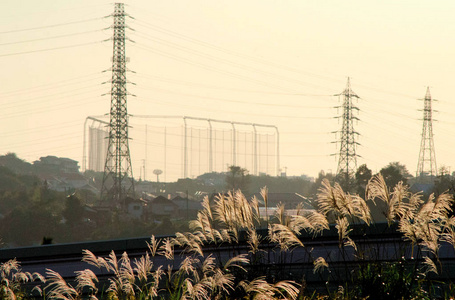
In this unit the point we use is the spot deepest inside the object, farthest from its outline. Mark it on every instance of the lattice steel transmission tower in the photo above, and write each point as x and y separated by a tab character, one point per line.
347	156
118	175
427	158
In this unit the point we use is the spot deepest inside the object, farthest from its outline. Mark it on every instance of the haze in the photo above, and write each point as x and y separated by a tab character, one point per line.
258	61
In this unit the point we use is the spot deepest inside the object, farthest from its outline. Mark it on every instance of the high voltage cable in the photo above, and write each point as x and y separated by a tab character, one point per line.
236	101
51	49
196	41
229	62
254	69
210	68
49	138
52	149
387	148
194	84
52	37
50	26
45	87
379	102
388	112
237	112
46	109
50	84
388	133
39	128
378	129
24	102
173	33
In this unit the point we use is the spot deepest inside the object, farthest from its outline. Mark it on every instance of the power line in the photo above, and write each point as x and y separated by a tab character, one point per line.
16	104
195	84
52	37
204	108
235	101
211	68
227	61
60	106
51	26
50	49
47	87
227	51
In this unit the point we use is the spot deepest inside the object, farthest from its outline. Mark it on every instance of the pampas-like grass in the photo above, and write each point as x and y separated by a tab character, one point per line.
167	249
430	266
259	288
58	287
426	225
319	264
342	226
254	240
237	262
202	276
333	201
190	242
143	267
284	237
399	204
127	280
12	278
153	245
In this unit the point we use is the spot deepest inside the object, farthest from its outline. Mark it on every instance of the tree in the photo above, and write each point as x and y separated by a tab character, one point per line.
395	172
321	176
237	178
17	165
362	176
346	181
444	183
74	210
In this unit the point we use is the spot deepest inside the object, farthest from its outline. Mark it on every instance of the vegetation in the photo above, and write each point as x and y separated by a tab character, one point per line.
263	270
237	178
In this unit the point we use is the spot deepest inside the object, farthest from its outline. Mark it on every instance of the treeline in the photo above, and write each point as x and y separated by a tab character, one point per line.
31	213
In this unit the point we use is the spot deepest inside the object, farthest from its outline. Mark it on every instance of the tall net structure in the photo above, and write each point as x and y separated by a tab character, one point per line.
347	156
118	175
186	147
98	139
427	157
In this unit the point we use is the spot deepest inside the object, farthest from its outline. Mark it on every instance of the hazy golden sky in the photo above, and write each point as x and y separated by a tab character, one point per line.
259	61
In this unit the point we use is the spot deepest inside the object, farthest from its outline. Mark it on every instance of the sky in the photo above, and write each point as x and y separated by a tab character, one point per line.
257	61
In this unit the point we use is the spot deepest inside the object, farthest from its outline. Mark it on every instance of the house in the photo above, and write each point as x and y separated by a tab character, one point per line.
55	165
162	207
74	180
188	208
135	207
67	182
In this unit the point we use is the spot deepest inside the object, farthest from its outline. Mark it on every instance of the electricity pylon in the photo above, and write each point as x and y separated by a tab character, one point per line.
347	156
427	158
118	175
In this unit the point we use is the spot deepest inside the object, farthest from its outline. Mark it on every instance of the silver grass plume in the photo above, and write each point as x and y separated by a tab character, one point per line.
153	245
430	266
167	249
283	236
319	265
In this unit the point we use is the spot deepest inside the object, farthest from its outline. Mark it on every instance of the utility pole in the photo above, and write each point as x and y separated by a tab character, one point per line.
118	175
427	158
347	156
